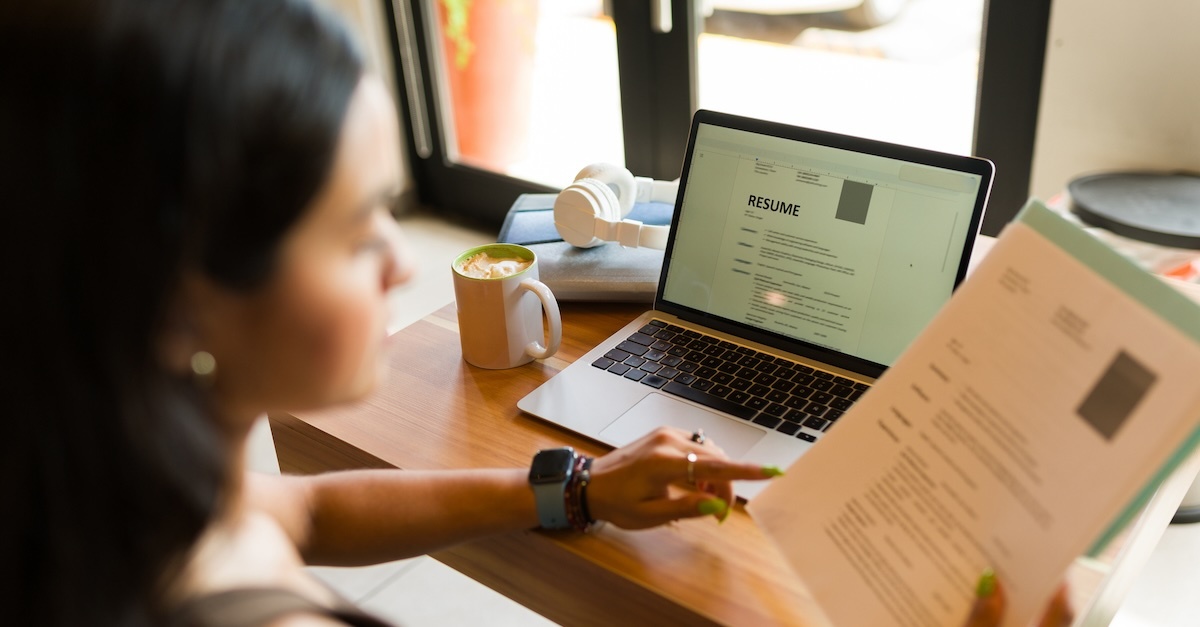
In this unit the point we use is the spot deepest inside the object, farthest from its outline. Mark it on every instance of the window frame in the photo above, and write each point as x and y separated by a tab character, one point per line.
658	83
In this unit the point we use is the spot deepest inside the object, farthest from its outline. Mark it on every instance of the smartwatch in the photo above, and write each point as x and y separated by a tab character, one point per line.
548	477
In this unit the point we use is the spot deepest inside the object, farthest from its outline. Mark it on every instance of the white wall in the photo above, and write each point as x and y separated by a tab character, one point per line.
1121	90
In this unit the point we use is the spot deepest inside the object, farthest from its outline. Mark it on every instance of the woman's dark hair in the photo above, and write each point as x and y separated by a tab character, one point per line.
139	139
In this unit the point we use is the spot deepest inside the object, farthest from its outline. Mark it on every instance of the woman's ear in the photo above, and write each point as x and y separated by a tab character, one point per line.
184	331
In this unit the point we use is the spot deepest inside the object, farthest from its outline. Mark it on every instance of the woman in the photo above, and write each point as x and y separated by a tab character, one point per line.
198	195
201	235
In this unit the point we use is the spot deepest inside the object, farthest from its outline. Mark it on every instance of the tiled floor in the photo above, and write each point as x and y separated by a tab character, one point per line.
422	592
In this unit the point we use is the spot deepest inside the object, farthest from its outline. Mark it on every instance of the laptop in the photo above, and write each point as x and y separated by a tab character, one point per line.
800	264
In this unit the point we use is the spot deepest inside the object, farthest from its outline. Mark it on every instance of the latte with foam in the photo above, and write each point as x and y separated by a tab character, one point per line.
484	266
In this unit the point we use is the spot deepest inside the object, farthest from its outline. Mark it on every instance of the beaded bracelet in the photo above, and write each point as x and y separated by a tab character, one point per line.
576	495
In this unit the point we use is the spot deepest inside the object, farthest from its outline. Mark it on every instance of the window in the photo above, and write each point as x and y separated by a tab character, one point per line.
502	97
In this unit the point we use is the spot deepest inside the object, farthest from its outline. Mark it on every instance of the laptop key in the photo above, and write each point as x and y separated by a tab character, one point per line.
658	323
708	400
765	379
796	402
667	373
729	367
777	396
654	381
634	374
685	378
816	424
603	363
617	354
641	338
769	422
632	348
618	368
841	390
807	437
739	397
720	390
841	403
688	366
702	384
789	428
817	397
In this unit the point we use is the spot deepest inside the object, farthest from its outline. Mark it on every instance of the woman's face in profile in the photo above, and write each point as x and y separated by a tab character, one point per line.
313	335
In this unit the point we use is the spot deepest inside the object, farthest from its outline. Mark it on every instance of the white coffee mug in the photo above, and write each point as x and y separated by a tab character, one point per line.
500	317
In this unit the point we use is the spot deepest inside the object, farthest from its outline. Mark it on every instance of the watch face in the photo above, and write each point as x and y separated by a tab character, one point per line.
551	466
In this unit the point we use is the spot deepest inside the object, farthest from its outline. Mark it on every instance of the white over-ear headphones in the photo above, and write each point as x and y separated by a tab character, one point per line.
592	210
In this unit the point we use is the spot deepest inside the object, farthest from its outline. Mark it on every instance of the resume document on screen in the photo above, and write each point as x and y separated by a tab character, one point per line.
856	264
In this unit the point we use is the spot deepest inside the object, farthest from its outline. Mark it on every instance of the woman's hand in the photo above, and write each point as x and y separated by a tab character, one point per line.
648	482
988	610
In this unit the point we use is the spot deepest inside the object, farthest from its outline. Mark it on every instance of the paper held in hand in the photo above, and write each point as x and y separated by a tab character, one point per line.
1026	425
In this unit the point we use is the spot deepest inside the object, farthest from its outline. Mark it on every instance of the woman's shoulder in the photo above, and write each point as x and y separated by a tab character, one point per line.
246	572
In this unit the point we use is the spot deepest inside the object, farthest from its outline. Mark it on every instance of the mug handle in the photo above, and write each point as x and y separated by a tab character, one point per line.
550	305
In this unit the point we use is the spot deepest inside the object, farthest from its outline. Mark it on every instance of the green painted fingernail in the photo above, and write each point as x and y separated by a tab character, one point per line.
987	584
713	506
772	471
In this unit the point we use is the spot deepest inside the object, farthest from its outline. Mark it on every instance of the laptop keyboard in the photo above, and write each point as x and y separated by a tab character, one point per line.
777	393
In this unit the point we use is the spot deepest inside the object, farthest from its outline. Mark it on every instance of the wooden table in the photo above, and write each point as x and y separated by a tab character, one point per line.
435	411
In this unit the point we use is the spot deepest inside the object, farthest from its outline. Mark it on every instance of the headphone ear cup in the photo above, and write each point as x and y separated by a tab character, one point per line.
577	208
613	176
608	203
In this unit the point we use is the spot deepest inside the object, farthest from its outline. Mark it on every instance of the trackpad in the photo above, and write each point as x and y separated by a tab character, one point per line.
656	410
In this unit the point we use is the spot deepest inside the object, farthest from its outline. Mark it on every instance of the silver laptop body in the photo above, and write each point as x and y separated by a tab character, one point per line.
800	264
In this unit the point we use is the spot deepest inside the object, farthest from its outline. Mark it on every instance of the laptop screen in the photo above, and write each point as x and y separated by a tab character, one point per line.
816	242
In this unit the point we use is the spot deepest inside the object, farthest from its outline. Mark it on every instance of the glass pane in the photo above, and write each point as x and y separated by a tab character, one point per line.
531	86
903	71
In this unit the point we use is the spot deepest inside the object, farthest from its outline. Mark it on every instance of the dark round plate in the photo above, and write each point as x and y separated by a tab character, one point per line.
1157	207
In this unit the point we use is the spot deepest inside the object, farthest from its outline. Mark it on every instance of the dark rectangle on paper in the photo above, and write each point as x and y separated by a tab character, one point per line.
854	202
1116	395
